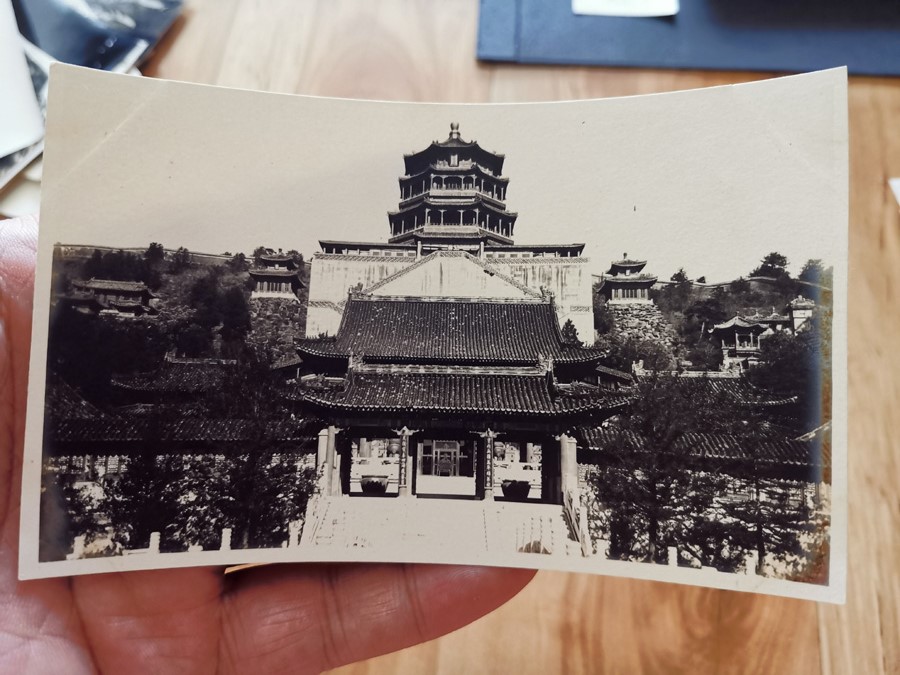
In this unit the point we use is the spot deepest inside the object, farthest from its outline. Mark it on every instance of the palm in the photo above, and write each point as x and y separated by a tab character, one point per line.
298	618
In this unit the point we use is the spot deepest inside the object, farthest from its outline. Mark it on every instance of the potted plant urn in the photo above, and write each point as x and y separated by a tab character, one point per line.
373	485
516	490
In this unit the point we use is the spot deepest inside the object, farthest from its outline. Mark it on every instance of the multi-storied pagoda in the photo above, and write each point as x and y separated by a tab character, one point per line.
453	220
443	369
276	276
625	281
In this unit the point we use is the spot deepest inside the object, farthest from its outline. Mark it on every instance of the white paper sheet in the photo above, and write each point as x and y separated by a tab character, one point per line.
21	122
626	7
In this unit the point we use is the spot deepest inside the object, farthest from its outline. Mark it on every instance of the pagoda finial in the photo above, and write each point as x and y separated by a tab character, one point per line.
454	129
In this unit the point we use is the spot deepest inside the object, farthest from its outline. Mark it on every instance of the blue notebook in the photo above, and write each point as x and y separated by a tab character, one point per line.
766	35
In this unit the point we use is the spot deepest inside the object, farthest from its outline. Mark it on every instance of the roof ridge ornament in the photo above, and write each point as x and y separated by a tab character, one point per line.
454	130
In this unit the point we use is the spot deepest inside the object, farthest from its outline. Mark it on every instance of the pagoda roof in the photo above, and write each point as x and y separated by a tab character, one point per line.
271	272
113	285
443	170
431	330
629	279
625	264
533	247
277	258
415	162
473	232
458	390
723	447
476	199
364	244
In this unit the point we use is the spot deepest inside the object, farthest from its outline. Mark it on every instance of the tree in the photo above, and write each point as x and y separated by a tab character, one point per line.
624	352
774	265
93	266
142	500
258	253
739	286
67	511
604	321
235	313
238	263
646	480
703	314
658	491
155	254
680	277
814	272
296	256
181	260
570	333
705	355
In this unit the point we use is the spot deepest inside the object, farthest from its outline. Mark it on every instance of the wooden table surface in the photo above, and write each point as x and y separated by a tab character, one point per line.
424	50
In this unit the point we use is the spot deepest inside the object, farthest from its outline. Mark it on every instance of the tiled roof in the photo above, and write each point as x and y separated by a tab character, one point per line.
724	447
612	372
111	285
272	272
737	322
187	429
463	391
737	389
474	331
184	378
63	401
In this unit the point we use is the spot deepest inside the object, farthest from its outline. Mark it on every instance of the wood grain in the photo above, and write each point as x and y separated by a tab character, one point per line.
420	50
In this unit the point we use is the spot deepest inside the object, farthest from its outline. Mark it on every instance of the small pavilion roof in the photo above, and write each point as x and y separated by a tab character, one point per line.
272	272
618	266
449	330
276	258
737	322
496	391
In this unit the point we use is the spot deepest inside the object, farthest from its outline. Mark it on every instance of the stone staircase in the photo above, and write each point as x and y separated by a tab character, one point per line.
437	526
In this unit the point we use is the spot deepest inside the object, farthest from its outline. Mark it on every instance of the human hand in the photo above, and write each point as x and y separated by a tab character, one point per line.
297	618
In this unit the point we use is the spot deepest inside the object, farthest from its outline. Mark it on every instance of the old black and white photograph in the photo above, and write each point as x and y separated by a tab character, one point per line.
590	336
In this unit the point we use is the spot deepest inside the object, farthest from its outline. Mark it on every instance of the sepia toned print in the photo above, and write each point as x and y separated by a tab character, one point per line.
440	388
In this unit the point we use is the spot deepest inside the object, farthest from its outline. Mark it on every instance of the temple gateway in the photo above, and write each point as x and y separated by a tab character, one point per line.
441	368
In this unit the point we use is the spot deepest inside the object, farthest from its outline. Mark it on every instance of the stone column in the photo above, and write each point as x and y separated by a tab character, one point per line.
404	487
568	461
487	471
331	461
322	449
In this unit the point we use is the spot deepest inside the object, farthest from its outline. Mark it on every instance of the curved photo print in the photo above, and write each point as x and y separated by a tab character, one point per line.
606	336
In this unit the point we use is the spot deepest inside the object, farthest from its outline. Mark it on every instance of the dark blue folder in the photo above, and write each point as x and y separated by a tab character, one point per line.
767	35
